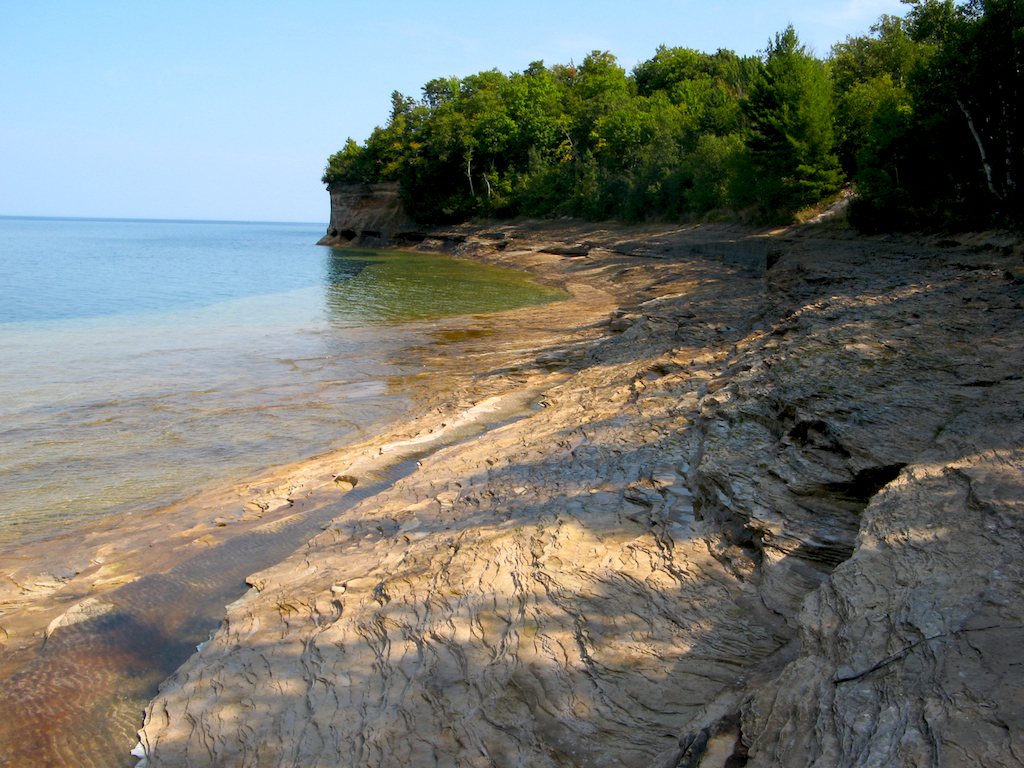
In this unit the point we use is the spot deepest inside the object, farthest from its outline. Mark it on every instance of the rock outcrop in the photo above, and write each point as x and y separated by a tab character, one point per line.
368	212
768	517
870	458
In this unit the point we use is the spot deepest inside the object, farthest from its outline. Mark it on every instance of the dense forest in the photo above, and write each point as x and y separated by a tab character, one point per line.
920	116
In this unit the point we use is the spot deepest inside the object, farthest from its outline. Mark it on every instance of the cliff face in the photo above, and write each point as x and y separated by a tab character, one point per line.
365	211
766	518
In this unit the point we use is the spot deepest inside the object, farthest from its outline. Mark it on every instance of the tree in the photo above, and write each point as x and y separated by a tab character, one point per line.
348	166
944	150
979	63
871	73
668	67
792	142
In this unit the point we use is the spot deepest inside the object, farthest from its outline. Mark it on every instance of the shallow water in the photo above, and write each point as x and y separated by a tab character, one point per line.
78	703
140	360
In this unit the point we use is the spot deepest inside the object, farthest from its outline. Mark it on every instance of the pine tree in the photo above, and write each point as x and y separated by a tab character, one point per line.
792	141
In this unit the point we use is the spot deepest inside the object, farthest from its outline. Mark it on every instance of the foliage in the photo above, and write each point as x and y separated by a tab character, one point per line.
792	142
919	114
938	143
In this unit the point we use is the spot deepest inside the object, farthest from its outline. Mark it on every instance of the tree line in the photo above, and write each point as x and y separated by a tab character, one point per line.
920	115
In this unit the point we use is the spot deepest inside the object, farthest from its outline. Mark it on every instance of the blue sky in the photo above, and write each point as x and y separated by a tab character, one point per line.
229	110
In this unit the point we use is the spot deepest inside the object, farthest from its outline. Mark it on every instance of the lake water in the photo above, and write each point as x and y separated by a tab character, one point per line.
141	360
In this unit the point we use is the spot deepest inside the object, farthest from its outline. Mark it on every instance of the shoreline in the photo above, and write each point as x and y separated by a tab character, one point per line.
652	308
45	577
449	402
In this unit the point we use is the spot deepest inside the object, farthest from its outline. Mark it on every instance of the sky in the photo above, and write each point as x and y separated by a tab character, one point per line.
229	110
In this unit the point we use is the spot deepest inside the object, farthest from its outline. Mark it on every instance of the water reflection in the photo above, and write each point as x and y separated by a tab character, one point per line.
341	268
385	287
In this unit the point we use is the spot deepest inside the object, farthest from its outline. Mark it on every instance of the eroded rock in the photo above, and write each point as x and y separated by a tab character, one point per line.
785	534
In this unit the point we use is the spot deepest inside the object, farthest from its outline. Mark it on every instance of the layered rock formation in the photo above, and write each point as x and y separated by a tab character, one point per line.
368	212
766	516
882	389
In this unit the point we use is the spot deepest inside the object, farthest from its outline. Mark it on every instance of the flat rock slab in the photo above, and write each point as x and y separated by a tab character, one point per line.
774	519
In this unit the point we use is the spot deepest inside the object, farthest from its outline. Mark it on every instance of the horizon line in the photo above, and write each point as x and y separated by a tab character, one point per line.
155	221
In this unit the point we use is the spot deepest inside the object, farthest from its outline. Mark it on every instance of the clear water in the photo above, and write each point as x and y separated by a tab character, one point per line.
140	360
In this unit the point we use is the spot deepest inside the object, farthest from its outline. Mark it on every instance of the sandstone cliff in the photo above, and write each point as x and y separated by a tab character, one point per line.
365	211
769	515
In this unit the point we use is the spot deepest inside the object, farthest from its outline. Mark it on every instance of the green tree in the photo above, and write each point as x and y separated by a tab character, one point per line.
978	68
871	73
348	166
944	150
792	142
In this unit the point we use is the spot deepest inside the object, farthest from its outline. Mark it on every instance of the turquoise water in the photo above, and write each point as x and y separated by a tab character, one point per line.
140	360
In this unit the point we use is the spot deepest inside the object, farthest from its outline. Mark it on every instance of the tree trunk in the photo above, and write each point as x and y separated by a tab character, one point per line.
981	149
1008	123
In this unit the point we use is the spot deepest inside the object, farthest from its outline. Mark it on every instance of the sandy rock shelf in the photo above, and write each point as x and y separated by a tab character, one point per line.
747	498
772	517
